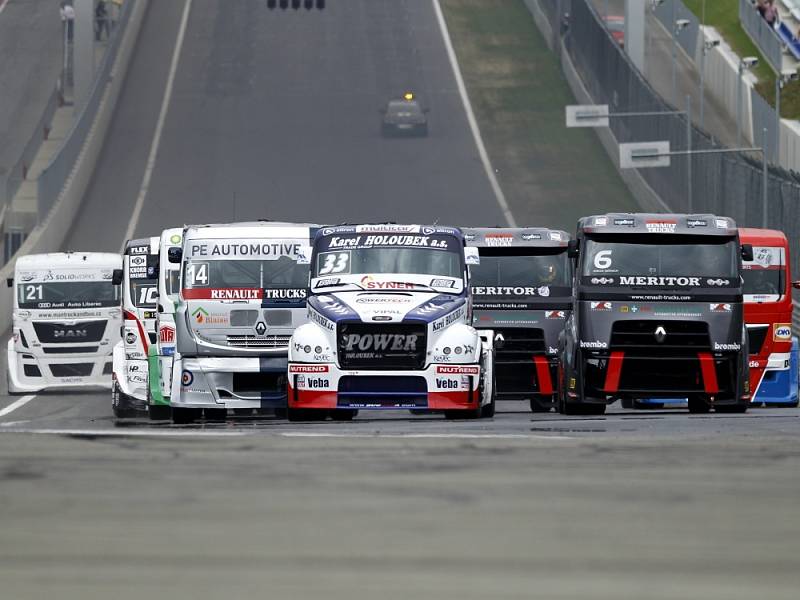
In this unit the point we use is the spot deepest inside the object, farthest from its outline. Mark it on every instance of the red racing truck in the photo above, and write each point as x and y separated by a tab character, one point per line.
768	315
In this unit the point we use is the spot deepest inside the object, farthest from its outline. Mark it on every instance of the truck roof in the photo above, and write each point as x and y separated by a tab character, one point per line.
389	228
522	237
254	229
69	259
769	237
639	223
142	246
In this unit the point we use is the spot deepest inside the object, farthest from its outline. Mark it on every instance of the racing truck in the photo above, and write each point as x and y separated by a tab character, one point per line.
389	326
160	355
768	314
522	295
243	293
658	313
138	279
66	321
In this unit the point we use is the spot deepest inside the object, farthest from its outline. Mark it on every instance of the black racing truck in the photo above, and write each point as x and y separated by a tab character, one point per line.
657	314
522	295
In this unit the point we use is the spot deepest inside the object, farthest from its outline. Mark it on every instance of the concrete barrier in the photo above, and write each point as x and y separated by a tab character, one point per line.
52	231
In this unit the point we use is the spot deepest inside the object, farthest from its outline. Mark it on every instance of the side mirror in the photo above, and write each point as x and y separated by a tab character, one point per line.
796	285
175	255
573	248
304	255
471	256
116	277
747	252
10	282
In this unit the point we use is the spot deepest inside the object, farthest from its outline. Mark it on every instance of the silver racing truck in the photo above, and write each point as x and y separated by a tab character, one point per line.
66	321
243	293
521	298
658	314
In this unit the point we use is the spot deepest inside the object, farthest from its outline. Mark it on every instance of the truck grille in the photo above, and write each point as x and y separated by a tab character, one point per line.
381	346
72	370
755	337
515	371
62	333
641	335
254	341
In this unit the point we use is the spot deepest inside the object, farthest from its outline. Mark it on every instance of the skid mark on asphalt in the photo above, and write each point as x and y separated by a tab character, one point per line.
433	436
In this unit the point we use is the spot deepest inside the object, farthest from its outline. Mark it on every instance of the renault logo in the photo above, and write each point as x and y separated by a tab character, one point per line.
261	328
661	334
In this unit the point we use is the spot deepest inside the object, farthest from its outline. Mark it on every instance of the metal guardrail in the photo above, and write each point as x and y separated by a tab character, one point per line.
762	34
54	176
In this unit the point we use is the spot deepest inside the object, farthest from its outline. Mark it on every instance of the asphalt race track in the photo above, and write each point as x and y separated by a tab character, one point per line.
275	115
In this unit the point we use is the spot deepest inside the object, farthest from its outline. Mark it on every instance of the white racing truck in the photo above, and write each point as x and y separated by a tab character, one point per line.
66	321
138	280
243	293
389	312
161	353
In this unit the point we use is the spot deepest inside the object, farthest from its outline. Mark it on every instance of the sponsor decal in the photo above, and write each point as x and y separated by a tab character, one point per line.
313	383
717	282
755	364
470	237
248	249
555	236
187	378
782	332
202	317
130	338
604	305
543	291
317	318
600	221
261	328
383	300
236	294
137	261
626	222
443	283
719	307
555	314
596	345
531	236
766	256
663	281
458	370
166	334
369	241
380	342
731	346
480	290
139	250
327	282
551	350
382	318
308	368
661	226
692	223
175	239
721	223
499	239
445	383
285	294
368	282
387	228
602	280
26	276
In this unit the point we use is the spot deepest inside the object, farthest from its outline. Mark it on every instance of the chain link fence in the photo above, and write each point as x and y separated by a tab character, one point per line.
725	184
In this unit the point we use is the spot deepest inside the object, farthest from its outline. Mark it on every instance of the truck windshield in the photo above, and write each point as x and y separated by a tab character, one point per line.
759	282
672	256
68	294
251	274
519	267
410	261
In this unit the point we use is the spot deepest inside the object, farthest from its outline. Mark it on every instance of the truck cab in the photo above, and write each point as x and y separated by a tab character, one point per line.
66	321
138	280
161	353
768	314
522	296
658	313
389	314
243	293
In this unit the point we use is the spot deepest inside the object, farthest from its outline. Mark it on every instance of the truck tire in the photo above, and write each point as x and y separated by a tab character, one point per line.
343	414
626	402
537	406
159	412
738	408
306	414
584	409
185	416
216	415
698	405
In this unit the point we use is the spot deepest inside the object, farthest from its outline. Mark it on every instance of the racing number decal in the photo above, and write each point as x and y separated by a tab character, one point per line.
197	274
602	260
148	295
334	262
33	292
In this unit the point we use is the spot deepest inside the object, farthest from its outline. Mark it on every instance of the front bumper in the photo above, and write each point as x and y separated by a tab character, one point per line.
28	373
437	387
776	378
201	382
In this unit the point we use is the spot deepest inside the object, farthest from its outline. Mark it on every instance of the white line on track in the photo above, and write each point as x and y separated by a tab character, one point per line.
15	405
147	433
3	4
473	123
162	117
431	436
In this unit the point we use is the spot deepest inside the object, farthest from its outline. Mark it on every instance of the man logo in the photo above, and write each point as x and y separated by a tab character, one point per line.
660	334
